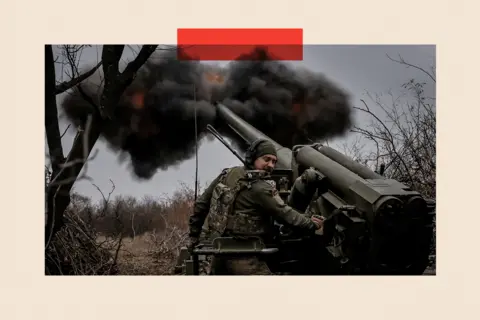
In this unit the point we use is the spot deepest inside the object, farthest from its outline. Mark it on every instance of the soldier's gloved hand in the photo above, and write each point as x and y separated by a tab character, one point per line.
318	220
192	243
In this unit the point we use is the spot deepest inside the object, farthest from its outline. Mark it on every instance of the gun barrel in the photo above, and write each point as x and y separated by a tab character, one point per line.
351	165
250	134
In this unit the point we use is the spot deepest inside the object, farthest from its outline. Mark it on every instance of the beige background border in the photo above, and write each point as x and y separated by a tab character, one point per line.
27	294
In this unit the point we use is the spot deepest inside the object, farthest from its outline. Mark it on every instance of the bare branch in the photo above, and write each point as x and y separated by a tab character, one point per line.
64	132
403	136
142	57
66	85
387	136
105	199
116	83
51	114
402	61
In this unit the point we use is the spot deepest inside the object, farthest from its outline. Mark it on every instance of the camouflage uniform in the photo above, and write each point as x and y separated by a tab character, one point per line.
242	202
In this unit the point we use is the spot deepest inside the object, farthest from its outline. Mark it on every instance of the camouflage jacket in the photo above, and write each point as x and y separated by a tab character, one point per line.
256	203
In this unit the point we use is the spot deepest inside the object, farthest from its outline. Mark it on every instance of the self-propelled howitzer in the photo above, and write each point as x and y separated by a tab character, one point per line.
373	225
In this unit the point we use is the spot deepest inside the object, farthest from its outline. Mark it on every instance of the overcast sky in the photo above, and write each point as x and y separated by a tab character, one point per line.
356	69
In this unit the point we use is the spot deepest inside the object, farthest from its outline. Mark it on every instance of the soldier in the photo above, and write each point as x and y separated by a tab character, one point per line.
241	201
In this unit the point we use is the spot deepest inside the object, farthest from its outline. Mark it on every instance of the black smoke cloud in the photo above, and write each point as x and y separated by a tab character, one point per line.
154	123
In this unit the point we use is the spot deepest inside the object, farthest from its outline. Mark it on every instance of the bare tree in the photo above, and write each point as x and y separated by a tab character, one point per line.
399	142
66	170
402	136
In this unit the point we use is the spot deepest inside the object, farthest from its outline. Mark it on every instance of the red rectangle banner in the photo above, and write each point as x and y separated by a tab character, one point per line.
239	44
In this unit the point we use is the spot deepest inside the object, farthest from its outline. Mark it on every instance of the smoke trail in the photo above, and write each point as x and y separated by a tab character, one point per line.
292	106
154	121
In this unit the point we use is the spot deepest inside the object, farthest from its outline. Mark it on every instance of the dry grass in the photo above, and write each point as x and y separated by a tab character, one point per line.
123	236
150	253
76	251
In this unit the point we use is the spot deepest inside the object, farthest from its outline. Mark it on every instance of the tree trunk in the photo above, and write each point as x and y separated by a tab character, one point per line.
51	116
63	177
